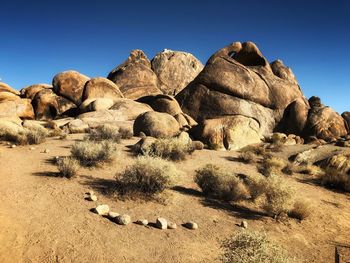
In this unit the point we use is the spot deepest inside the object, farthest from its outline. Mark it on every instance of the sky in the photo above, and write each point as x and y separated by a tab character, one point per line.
41	38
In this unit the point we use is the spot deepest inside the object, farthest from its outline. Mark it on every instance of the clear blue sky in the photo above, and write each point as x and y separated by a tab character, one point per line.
40	38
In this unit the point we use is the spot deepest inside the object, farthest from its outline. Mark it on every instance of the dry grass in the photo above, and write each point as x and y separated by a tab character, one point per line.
220	184
125	133
147	177
272	164
256	149
253	247
247	157
91	153
336	179
301	210
289	169
31	135
68	167
105	132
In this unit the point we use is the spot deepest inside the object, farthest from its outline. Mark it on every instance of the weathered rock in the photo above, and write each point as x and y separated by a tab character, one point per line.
244	224
17	108
161	223
11	125
30	91
101	88
314	155
70	84
8	96
101	210
323	122
123	220
175	70
198	145
142	222
6	88
282	71
162	103
92	198
78	126
112	215
346	117
144	145
156	124
172	225
191	225
135	77
98	104
184	137
229	133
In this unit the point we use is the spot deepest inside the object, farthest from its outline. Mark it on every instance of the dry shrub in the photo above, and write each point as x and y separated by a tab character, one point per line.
68	167
220	184
256	186
146	177
312	170
300	210
247	157
289	169
256	149
272	164
105	132
173	149
125	133
31	135
90	153
276	147
253	247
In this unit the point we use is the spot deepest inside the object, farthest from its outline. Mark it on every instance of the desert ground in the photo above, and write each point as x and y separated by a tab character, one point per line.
45	218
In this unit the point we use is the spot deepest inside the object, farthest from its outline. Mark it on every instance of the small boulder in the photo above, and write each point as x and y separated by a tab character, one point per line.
101	210
78	126
142	222
123	219
161	223
191	225
30	91
244	224
172	225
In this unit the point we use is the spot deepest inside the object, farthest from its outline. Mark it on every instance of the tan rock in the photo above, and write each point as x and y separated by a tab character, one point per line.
6	88
30	91
101	88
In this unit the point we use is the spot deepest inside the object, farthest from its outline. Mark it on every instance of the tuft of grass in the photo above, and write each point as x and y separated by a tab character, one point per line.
220	184
68	167
247	157
301	210
105	132
31	135
147	177
289	169
91	153
272	164
256	149
336	179
172	149
125	133
253	247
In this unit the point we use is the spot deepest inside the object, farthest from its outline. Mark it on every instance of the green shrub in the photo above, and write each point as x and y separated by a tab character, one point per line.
68	167
220	184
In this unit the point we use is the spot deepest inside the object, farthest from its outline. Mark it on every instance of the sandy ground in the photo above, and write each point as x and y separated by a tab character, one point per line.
44	218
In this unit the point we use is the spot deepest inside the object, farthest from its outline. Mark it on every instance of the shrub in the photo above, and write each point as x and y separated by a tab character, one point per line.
125	133
336	179
68	167
310	170
247	157
217	183
172	149
256	149
288	169
90	153
272	164
253	247
31	135
256	186
105	132
147	176
300	210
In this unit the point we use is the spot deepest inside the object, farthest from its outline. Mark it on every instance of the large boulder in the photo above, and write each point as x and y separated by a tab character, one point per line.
30	91
156	124
135	77
346	117
323	122
70	85
8	96
175	70
21	108
238	81
5	87
101	88
47	105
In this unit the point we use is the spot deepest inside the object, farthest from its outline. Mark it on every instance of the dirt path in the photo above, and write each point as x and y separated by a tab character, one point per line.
46	219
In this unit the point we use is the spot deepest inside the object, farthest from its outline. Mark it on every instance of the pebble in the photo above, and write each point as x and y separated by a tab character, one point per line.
244	224
91	198
46	151
191	225
161	223
172	225
32	148
123	219
13	146
143	222
101	209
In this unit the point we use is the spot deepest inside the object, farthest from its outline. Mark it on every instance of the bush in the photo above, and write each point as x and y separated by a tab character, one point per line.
289	169
125	133
272	164
105	132
68	167
247	157
147	176
256	186
90	153
300	210
31	135
217	183
173	149
336	179
253	247
256	149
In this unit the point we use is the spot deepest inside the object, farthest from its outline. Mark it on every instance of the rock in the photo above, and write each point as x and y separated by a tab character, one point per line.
278	138
184	137
70	84
162	103
280	70
346	117
112	215
142	222
172	225
99	104
13	146
32	148
323	122
47	105
175	70
198	145
144	145
123	219
244	224
18	107
314	155
161	223
135	77
101	88
91	198
156	124
30	91
191	225
46	151
8	96
6	88
101	210
78	126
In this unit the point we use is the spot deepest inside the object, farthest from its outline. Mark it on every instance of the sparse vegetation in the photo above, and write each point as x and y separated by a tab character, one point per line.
146	177
259	149
220	184
68	167
105	132
125	133
31	135
90	153
271	164
289	169
247	157
300	210
336	179
253	247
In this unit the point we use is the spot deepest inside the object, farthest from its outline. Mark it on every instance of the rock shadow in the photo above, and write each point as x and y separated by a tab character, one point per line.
103	186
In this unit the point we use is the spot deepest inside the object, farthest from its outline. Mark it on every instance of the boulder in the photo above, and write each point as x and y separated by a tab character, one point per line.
161	223
231	133
144	145
175	70
70	85
346	117
8	96
156	124
323	122
123	219
30	91
101	210
238	81
135	77
11	125
17	108
47	105
191	225
78	126
130	108
6	88
96	104
101	88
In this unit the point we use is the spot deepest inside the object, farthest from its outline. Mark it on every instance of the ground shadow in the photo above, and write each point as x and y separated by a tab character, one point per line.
47	174
187	191
100	185
317	182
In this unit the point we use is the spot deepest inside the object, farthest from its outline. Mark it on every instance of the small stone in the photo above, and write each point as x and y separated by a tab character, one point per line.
161	223
191	225
123	219
101	210
90	192
32	148
172	225
91	198
112	215
143	222
46	151
244	224
13	146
